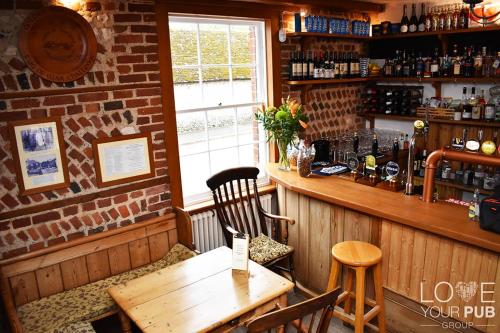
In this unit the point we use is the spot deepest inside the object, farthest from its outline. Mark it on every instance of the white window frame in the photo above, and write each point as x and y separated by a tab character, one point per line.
261	77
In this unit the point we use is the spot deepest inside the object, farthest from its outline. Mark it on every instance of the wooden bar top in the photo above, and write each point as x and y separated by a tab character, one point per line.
441	218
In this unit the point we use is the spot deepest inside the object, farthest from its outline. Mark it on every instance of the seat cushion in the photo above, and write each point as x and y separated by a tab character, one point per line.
89	301
264	249
78	327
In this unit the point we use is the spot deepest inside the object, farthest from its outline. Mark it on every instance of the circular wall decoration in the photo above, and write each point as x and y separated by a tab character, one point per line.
58	44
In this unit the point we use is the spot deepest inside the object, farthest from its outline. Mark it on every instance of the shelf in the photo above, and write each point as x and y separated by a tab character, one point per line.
332	81
475	123
439	33
460	187
477	80
325	35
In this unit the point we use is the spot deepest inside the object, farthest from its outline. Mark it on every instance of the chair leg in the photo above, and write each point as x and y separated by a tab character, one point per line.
334	275
291	266
359	321
379	297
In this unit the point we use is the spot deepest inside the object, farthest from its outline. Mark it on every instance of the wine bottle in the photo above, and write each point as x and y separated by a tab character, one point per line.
435	64
404	22
421	20
413	26
420	66
293	67
298	64
310	64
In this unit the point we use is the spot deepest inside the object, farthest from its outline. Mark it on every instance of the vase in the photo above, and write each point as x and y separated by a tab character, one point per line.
283	163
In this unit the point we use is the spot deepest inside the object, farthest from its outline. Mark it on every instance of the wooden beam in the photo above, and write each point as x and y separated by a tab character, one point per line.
168	104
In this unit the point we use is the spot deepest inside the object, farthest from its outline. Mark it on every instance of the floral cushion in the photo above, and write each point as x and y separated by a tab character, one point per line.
78	327
264	249
89	301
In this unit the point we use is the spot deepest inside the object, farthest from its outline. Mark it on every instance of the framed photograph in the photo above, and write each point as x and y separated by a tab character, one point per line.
123	159
39	154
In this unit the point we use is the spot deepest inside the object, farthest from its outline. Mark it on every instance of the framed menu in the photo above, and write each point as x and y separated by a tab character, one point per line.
123	159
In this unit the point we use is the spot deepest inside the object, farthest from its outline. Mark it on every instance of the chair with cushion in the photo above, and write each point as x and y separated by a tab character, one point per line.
239	209
313	315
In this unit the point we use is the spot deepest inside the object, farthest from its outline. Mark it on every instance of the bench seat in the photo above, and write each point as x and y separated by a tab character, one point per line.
77	327
81	305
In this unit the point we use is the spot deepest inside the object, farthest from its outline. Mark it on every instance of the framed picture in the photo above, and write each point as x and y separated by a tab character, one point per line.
39	155
123	159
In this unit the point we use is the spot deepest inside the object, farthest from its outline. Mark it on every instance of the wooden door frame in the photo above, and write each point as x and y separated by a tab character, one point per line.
270	17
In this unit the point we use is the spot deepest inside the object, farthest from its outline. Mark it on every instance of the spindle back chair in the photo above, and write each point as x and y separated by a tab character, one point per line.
313	315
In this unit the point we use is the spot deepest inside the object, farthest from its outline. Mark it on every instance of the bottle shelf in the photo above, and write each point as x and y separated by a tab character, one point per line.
329	81
325	35
439	33
459	187
451	80
475	123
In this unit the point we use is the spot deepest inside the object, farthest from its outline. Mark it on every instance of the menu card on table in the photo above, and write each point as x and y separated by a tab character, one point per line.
240	253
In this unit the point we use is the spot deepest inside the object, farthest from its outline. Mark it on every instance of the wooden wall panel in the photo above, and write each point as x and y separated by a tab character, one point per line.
74	273
304	230
119	259
158	246
139	252
24	288
98	266
407	239
49	280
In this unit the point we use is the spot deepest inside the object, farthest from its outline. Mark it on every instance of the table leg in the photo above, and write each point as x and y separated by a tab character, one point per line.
125	322
282	303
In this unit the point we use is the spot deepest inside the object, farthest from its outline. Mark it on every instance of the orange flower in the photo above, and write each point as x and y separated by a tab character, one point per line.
303	124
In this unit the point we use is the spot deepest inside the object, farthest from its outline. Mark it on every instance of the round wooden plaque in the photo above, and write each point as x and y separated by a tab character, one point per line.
58	44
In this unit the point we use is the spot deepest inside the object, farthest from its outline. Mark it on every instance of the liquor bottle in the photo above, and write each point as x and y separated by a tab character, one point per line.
455	17
326	67
463	18
446	67
427	67
478	177
457	64
428	20
421	172
468	176
398	65
468	70
448	20
478	63
489	179
406	65
459	174
466	107
401	141
420	66
344	69
435	64
421	20
388	68
487	63
355	143
404	22
482	104
316	67
412	63
445	171
413	25
474	104
489	111
474	207
336	68
441	20
310	64
406	143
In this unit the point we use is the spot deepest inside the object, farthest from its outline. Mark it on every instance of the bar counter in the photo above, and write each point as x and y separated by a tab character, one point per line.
422	245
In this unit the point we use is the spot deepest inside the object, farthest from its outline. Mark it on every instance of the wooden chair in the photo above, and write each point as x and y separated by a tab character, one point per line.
233	191
297	315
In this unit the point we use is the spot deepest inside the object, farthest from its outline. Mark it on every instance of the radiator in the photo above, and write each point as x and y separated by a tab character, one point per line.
207	232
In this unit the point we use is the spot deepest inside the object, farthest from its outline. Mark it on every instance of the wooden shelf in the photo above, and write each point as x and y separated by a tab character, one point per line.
460	187
332	81
475	123
477	80
325	35
439	33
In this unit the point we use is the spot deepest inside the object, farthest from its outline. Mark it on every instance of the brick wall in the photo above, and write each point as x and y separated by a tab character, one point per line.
332	109
126	74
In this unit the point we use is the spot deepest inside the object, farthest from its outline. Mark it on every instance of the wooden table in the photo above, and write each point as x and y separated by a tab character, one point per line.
199	295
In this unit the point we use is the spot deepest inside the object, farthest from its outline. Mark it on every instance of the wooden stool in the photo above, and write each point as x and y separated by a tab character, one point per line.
358	257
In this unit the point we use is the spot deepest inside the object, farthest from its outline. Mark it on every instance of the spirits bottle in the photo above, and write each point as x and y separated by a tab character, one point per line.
459	174
468	176
404	22
421	20
435	20
413	26
327	73
454	17
469	64
291	67
388	68
463	18
466	107
457	64
375	145
421	172
406	65
316	67
446	67
489	180
398	65
428	20
420	66
478	63
489	111
412	62
474	207
441	20
448	18
435	64
478	177
474	103
310	63
427	67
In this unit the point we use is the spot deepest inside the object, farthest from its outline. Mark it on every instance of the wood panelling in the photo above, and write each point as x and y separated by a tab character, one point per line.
74	273
98	266
119	259
139	252
49	280
24	288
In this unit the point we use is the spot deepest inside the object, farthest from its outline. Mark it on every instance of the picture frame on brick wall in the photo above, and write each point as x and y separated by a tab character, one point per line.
123	159
39	155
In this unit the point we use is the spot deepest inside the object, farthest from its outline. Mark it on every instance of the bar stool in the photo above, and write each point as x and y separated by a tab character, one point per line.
358	257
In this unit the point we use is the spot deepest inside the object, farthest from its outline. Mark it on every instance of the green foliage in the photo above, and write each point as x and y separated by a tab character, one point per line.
214	47
284	123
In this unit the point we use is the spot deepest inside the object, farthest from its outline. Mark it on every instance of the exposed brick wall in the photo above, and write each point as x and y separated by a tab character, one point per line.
332	109
127	53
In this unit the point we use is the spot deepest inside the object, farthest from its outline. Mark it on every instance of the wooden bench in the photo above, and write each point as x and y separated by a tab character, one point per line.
90	260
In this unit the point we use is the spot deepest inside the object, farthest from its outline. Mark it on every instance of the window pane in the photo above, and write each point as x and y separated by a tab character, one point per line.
223	159
195	172
248	130
216	86
191	133
221	128
214	44
249	155
183	43
187	89
243	44
245	85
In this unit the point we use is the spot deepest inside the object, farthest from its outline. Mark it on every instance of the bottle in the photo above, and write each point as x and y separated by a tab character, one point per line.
413	25
441	20
292	68
298	62
478	63
427	67
478	180
468	70
406	65
412	62
489	180
326	67
422	164
316	67
466	107
474	103
448	19
434	20
398	65
310	63
336	68
305	67
468	176
474	206
422	18
401	141
459	174
404	22
489	111
406	143
395	150
435	64
457	64
445	171
375	145
355	143
482	104
463	18
420	66
388	68
428	20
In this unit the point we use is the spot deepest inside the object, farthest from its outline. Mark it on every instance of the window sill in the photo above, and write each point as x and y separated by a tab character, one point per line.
209	204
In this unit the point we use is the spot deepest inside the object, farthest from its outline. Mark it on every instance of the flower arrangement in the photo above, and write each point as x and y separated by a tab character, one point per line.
283	125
